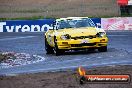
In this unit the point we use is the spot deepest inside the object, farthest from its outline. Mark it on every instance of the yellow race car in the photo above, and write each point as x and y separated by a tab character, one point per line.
74	33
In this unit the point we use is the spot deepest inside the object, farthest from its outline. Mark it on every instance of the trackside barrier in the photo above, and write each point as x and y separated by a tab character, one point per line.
26	25
97	22
33	25
116	23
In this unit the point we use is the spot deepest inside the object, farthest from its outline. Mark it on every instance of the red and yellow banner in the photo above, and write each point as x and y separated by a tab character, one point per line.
122	2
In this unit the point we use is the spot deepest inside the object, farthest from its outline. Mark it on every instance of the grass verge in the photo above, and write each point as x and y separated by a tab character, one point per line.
42	17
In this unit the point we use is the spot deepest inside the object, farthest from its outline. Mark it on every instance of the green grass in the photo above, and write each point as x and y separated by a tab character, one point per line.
22	11
26	18
42	17
126	15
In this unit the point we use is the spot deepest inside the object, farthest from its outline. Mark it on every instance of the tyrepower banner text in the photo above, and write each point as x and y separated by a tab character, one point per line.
26	25
34	25
119	23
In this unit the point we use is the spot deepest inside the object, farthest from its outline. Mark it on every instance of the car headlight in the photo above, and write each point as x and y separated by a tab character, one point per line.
101	34
65	37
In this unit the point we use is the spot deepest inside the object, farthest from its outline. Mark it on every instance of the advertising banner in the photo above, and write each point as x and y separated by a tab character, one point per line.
122	2
129	2
97	22
33	25
26	25
119	23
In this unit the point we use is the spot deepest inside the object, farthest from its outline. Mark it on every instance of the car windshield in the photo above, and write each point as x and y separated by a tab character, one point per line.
77	23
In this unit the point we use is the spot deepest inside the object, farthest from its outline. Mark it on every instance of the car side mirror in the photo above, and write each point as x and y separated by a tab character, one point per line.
54	25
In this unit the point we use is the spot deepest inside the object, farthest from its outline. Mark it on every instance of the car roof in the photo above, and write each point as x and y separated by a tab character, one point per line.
70	18
76	17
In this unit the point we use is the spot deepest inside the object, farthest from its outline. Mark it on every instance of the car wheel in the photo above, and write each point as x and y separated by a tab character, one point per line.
48	48
56	50
91	49
103	49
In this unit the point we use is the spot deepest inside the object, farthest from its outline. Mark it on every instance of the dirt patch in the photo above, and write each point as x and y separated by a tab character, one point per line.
11	59
67	79
5	56
58	8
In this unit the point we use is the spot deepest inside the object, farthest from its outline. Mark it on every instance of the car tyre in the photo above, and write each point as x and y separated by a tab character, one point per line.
48	48
91	49
57	51
103	49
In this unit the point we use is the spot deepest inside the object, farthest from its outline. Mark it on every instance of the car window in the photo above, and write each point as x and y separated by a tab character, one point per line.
75	23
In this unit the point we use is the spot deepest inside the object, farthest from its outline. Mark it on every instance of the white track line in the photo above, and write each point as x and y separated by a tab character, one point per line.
76	66
4	39
69	67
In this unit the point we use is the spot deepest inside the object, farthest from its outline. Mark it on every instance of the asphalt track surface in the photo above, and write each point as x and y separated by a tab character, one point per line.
119	53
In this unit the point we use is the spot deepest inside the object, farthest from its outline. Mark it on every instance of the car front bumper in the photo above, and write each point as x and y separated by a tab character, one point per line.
82	43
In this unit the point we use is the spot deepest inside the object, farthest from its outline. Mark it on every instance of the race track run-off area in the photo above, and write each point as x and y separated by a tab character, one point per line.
32	45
